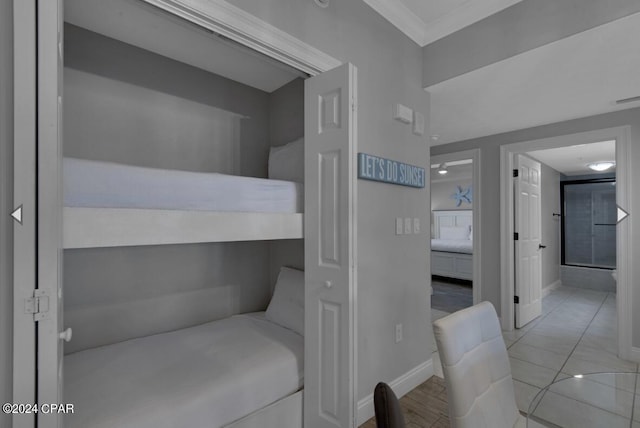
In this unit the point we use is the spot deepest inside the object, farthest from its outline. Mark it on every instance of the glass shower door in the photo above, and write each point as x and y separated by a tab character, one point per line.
589	223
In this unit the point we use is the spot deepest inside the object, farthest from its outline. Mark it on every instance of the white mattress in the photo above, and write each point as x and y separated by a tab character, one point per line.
110	185
463	246
204	376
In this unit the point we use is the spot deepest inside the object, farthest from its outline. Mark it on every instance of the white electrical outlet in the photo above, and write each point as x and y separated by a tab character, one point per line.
416	226
407	226
399	226
398	333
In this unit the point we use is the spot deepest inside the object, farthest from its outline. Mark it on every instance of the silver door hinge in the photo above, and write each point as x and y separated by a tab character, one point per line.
38	305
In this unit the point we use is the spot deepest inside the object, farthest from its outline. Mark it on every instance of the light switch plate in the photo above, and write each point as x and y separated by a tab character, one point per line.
407	226
418	123
416	225
399	227
403	113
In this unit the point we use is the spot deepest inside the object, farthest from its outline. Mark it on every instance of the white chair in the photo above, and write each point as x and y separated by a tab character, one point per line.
476	369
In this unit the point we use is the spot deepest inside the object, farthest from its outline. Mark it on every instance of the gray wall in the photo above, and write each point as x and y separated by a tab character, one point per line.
125	104
393	271
6	205
490	178
516	29
286	124
128	105
444	186
286	113
550	203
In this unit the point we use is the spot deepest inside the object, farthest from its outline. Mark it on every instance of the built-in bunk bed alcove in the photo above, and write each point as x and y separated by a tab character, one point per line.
146	118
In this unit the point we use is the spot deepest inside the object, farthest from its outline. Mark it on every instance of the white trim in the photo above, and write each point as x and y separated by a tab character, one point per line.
622	135
230	21
476	206
400	386
549	288
119	227
423	33
402	18
634	354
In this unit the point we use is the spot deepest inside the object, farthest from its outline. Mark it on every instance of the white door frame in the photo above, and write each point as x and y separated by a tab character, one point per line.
474	155
240	26
622	135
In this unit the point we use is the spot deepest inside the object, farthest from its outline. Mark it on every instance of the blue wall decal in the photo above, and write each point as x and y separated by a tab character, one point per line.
375	168
463	195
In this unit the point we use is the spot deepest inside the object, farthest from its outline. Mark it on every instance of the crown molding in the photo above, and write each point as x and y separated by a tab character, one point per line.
240	26
401	17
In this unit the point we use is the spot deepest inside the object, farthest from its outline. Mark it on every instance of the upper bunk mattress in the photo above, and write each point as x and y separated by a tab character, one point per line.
97	184
203	376
463	246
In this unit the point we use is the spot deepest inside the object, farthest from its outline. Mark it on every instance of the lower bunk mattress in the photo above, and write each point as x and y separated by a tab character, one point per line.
208	375
94	184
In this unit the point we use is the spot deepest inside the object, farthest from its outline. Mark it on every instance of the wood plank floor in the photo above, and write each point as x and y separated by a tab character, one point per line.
424	407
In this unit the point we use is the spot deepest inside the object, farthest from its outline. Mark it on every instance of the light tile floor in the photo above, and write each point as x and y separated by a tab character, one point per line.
576	334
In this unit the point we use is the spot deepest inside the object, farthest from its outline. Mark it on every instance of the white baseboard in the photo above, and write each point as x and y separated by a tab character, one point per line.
400	386
549	288
635	354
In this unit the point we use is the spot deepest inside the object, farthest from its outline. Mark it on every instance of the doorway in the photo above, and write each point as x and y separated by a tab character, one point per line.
620	137
455	231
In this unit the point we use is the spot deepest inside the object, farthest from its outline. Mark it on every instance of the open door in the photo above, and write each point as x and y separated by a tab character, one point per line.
49	236
330	275
528	260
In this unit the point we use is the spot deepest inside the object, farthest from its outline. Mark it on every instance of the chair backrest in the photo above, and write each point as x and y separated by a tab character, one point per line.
387	407
476	369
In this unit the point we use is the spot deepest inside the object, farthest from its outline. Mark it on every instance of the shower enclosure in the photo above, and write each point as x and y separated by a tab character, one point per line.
589	223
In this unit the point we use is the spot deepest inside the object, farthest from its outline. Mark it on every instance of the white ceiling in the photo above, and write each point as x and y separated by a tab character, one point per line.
144	26
573	160
427	21
575	77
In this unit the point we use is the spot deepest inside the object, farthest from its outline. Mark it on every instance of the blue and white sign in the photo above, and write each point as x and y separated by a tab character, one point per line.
389	171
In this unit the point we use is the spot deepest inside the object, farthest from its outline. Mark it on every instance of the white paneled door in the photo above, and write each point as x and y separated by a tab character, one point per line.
528	257
50	336
330	190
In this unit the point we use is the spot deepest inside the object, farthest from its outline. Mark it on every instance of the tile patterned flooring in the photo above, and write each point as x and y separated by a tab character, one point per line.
576	334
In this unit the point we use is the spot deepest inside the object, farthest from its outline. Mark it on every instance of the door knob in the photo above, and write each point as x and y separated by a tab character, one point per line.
328	284
66	335
541	246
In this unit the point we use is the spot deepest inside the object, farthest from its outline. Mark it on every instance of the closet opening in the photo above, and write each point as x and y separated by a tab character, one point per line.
183	172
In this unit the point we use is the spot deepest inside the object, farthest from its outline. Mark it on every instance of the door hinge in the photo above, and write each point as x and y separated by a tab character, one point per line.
515	236
516	299
515	173
38	305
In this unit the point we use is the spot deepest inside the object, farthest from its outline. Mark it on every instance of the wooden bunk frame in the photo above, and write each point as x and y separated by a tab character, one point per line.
118	227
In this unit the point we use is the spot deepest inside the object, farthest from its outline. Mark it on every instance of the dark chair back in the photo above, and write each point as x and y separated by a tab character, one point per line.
387	407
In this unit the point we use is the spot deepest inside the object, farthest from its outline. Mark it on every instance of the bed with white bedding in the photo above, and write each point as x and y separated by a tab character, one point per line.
95	184
109	204
208	375
452	244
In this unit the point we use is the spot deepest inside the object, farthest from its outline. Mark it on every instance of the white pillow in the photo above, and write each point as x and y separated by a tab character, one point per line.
287	304
454	232
287	162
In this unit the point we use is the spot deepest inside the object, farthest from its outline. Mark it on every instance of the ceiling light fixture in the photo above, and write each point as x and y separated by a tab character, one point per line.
601	166
442	169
